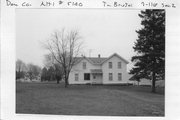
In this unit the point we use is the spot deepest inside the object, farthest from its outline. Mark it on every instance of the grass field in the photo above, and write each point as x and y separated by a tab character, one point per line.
51	98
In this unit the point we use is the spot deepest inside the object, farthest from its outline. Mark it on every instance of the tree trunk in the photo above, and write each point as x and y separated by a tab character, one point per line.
57	81
66	82
153	82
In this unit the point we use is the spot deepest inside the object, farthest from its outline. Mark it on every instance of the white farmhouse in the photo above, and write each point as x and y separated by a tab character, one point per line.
98	70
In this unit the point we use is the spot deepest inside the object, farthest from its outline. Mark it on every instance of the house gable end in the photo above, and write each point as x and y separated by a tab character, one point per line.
83	58
115	54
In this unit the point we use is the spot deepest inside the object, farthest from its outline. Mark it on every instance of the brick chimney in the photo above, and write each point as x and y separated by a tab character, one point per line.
99	55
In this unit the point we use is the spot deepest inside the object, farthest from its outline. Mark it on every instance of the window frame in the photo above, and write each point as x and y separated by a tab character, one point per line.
87	75
110	76
84	65
119	65
76	77
119	76
110	65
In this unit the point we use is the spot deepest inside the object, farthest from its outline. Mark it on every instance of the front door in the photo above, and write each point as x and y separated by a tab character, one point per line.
97	78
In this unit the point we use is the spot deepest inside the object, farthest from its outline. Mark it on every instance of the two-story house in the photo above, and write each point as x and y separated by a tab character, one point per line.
98	70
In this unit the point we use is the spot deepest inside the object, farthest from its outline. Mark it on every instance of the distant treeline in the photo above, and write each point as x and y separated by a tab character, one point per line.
31	72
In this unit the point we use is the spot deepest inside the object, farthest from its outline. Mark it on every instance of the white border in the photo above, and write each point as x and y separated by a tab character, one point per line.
7	70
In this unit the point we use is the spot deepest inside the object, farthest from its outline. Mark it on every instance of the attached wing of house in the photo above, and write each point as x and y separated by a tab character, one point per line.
98	70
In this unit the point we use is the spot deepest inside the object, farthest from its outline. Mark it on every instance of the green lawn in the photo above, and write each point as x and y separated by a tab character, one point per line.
51	98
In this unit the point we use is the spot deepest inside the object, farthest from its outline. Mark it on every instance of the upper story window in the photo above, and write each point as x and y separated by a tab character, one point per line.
110	65
119	65
84	65
110	76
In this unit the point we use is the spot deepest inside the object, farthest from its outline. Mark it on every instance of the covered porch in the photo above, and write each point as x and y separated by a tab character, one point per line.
97	76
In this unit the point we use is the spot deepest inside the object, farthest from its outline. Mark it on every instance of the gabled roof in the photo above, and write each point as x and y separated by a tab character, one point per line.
99	60
92	60
78	59
96	60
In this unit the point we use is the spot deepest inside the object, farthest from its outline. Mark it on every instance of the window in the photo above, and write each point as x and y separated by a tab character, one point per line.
110	76
110	65
84	65
76	77
86	76
119	65
94	77
119	76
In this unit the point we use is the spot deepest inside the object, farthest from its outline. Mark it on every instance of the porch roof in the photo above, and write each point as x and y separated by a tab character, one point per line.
96	71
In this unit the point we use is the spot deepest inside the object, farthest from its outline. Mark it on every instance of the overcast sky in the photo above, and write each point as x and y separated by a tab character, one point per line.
104	31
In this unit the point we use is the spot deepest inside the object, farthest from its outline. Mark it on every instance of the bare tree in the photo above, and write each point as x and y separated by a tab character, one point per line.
64	48
20	69
20	66
49	60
